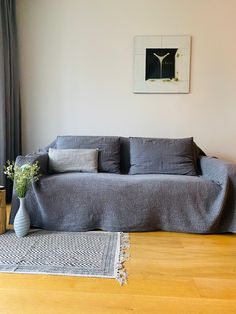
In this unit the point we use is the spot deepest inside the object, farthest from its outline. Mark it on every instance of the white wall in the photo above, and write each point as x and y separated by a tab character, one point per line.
76	62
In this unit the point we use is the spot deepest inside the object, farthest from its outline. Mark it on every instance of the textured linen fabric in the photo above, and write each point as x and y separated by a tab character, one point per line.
67	160
41	158
88	201
10	109
109	149
162	156
125	155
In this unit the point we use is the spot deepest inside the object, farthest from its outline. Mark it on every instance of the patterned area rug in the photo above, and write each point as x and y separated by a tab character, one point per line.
91	254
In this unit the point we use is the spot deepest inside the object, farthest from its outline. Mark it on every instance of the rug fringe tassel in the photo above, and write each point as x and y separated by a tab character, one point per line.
124	255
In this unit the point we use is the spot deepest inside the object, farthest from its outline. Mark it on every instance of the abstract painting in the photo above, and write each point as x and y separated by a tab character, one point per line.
162	64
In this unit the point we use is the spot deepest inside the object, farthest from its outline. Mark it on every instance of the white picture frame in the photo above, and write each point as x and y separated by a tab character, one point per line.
162	64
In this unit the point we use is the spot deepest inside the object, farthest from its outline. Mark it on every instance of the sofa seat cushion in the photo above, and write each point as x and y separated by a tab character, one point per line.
109	149
88	201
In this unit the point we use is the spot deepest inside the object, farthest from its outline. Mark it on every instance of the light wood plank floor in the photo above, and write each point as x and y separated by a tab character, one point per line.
168	273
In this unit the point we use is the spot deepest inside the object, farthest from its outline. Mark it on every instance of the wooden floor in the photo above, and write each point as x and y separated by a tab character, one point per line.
168	273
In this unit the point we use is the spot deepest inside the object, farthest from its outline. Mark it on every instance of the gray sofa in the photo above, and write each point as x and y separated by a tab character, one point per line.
126	201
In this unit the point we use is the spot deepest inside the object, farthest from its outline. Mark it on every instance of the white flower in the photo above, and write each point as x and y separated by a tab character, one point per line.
25	167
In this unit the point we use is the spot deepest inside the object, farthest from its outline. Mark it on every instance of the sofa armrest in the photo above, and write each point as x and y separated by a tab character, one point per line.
218	170
224	174
41	158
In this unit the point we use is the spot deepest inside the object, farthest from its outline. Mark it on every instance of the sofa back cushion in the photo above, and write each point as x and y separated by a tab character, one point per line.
162	155
68	160
108	146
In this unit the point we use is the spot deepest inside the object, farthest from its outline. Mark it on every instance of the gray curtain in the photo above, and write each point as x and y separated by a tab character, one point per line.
10	120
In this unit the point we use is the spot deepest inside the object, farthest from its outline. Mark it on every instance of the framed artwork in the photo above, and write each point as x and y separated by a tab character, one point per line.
162	64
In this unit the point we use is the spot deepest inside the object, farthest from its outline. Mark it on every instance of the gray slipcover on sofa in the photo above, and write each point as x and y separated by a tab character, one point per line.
121	197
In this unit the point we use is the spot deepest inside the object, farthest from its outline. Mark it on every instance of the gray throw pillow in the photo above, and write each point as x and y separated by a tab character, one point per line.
67	160
162	155
109	149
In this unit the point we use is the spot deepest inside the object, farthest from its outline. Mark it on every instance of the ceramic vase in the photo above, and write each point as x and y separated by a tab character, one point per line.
22	220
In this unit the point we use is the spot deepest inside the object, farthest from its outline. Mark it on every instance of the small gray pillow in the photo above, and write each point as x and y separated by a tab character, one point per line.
68	160
162	155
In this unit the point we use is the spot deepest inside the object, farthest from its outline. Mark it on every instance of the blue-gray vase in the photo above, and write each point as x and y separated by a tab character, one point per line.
22	220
